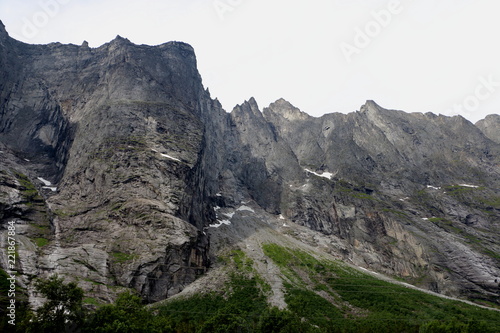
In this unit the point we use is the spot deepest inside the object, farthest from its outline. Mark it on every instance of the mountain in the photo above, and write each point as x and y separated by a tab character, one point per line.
120	172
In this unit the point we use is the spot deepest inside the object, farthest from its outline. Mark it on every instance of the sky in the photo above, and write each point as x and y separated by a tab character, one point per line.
323	56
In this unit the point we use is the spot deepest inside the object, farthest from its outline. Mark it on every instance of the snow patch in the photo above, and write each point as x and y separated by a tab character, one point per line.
218	194
170	157
229	215
434	187
243	207
327	175
166	155
52	188
44	181
216	225
467	185
281	217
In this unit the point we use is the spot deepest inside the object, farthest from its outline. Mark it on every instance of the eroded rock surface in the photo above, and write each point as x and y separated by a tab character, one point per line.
117	166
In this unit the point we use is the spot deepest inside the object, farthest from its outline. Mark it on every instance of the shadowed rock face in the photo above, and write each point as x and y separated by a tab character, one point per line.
118	130
139	156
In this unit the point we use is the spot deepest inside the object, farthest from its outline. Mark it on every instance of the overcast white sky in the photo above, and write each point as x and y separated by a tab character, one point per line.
321	55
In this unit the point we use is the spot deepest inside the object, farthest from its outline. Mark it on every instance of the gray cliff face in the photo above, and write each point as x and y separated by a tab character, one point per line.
490	126
142	161
410	194
116	129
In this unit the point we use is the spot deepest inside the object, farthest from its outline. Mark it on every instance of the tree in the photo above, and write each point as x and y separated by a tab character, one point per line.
63	310
126	315
22	310
275	320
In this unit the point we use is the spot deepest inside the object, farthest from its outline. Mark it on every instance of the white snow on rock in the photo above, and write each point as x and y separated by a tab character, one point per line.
434	187
281	217
327	175
229	215
216	225
243	207
52	188
467	185
170	157
44	181
166	155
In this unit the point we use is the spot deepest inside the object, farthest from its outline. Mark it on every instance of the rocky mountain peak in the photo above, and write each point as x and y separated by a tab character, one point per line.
4	35
490	126
122	40
144	179
285	109
248	108
370	106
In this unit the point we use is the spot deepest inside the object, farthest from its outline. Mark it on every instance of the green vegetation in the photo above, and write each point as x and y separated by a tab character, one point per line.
127	314
61	213
395	212
355	192
355	302
41	242
493	202
63	310
121	257
22	313
425	199
322	296
28	190
241	262
480	197
91	301
459	189
474	241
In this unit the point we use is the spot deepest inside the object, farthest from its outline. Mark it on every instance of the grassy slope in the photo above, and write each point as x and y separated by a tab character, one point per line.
360	302
322	296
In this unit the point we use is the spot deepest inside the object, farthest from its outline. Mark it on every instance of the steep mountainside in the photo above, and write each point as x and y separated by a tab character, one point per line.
120	171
